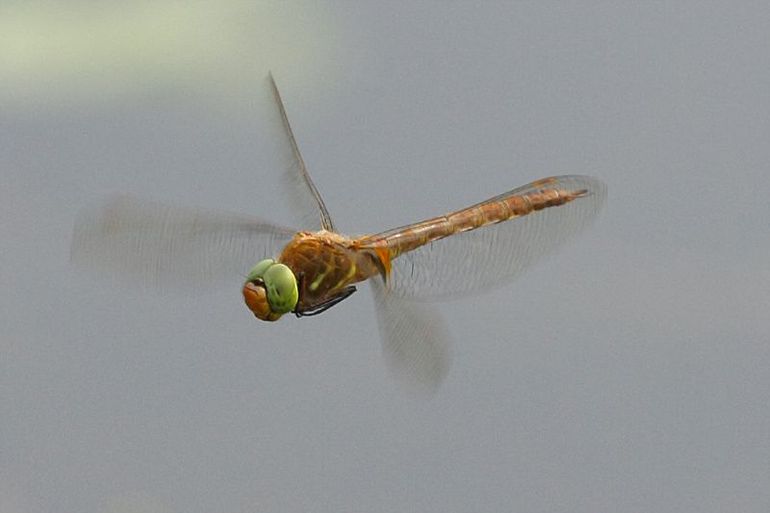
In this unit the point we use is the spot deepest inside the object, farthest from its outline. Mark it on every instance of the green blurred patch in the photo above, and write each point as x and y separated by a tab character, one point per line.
65	52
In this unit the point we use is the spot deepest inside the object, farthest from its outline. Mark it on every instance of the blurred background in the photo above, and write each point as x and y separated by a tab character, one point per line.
629	372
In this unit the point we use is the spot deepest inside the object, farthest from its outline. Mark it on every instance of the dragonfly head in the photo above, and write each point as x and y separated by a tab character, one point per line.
270	290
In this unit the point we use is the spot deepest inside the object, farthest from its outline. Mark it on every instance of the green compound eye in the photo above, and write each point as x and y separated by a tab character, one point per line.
281	287
258	271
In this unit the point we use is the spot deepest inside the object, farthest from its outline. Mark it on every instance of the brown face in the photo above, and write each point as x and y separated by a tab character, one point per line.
256	299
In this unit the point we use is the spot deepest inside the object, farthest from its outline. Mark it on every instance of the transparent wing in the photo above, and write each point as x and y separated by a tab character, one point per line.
489	256
414	339
157	245
305	199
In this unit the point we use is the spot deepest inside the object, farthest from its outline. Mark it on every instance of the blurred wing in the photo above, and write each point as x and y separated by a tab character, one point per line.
305	199
414	340
157	245
491	255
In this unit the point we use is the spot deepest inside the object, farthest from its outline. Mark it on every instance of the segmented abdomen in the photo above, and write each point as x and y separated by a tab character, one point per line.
495	210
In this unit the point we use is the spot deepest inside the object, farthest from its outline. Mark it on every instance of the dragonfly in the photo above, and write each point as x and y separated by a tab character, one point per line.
306	272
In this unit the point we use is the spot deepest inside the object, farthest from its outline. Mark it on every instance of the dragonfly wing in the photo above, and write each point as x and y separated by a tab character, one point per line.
414	339
491	255
157	245
305	198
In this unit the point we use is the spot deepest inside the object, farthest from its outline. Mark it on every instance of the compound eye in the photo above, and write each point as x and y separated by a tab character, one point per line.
281	287
258	271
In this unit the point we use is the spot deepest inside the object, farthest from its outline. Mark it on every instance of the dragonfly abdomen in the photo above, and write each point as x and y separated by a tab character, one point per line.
493	211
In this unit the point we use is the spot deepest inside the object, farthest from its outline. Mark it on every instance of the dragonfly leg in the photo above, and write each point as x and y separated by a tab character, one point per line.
322	307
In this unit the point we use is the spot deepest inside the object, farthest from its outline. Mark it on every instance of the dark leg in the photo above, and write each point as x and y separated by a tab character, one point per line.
322	307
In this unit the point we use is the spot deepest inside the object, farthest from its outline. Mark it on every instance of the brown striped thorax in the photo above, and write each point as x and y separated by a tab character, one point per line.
314	268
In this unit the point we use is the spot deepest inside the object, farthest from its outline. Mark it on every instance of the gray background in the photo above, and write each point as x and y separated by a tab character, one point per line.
630	372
